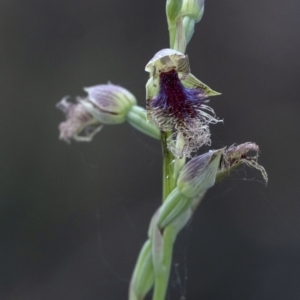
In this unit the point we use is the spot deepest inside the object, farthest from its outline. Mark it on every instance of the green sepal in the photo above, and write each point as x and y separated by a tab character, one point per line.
190	81
199	174
152	87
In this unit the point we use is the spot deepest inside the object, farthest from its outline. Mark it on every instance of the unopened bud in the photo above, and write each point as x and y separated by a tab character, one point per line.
173	8
193	9
192	12
199	174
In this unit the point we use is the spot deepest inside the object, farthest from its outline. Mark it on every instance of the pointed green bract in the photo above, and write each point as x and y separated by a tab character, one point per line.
173	206
199	174
143	276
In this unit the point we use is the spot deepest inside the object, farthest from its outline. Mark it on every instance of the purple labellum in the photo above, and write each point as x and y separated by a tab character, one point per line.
181	110
177	101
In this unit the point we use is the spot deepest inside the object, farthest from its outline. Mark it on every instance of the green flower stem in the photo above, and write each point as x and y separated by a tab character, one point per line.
169	182
180	42
172	33
162	275
179	162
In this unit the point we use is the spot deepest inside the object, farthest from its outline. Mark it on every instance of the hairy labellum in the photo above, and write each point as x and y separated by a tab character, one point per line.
181	110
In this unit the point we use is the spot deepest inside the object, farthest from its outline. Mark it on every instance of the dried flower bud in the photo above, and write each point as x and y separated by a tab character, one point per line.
78	119
105	104
201	172
176	101
236	155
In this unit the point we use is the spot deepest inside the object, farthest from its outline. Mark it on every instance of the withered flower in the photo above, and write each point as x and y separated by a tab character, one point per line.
105	104
176	101
236	155
201	172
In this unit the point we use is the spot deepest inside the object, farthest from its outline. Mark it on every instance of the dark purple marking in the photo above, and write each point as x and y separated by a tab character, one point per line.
176	100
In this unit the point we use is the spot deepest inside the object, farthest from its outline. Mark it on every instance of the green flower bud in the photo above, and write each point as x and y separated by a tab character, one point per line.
199	174
108	103
193	9
192	12
173	8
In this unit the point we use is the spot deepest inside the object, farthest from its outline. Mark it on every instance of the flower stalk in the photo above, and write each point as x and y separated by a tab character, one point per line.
168	166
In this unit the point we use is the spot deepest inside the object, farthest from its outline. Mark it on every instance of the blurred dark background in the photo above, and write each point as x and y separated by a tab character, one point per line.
73	217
